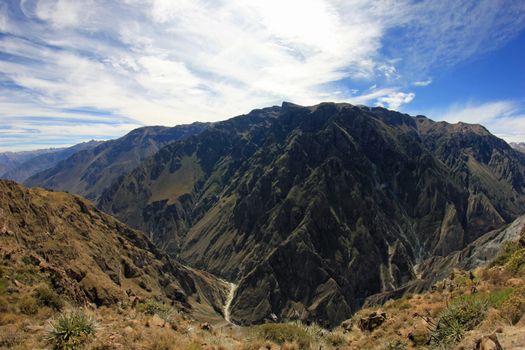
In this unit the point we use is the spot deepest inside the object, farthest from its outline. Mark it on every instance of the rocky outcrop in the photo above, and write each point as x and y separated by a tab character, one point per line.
372	321
438	268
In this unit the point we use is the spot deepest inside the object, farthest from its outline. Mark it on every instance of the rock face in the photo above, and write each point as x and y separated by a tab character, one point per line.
91	171
313	209
436	268
92	257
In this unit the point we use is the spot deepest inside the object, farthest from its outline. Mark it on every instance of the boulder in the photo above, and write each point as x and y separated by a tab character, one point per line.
206	326
488	342
347	325
372	321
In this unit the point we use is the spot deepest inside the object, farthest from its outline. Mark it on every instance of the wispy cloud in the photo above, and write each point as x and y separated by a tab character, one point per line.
505	119
425	82
170	62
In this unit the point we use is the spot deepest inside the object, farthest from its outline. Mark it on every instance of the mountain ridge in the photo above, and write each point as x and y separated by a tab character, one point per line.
89	172
44	161
262	194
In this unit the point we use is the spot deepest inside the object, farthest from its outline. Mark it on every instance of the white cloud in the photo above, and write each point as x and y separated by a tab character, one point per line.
478	113
425	82
394	100
170	62
3	17
63	13
505	119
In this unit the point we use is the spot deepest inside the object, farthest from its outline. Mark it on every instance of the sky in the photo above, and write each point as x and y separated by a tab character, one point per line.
72	71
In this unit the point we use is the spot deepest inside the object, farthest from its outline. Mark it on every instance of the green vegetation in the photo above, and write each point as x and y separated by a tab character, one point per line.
396	345
151	307
3	286
27	276
28	305
285	332
47	297
70	330
455	320
514	307
516	262
493	298
335	339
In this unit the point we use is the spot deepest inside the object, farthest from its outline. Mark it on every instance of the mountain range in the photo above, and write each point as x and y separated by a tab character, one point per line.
310	211
19	166
91	171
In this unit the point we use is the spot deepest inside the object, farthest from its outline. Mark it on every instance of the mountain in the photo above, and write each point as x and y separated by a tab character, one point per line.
518	146
39	161
91	171
311	210
89	256
10	160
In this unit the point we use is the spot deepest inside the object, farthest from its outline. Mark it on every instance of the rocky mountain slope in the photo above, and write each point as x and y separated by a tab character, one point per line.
89	257
91	171
46	160
313	209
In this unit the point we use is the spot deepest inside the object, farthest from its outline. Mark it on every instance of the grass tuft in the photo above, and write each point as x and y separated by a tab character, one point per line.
455	320
70	330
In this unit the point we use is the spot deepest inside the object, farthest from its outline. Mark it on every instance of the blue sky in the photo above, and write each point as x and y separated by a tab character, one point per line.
71	71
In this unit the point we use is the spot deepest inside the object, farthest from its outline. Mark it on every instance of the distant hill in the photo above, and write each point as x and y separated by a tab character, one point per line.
30	163
518	146
10	160
91	171
313	209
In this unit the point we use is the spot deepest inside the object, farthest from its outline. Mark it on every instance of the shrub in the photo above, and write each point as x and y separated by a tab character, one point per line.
285	332
396	345
28	305
514	307
10	337
4	304
335	339
516	262
70	330
150	307
3	286
506	251
47	297
27	276
455	321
